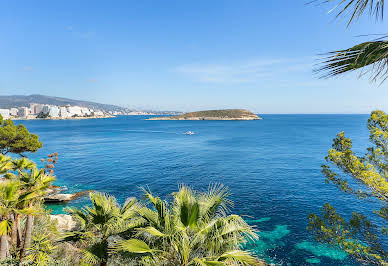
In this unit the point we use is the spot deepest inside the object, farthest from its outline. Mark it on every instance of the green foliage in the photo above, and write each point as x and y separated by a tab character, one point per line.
370	56
17	139
356	8
43	115
374	54
195	229
105	219
21	196
365	177
43	241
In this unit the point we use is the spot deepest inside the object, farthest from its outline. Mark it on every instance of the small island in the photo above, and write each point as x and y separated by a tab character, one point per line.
226	114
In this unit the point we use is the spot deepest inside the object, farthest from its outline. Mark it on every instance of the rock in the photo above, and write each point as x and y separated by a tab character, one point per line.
65	222
62	198
54	190
58	198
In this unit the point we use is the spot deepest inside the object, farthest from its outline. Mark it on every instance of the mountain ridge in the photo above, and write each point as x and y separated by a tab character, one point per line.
24	100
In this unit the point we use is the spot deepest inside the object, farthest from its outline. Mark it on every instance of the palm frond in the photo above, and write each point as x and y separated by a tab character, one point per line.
133	246
215	200
369	54
77	236
23	163
354	9
6	164
240	256
89	257
151	231
206	262
5	227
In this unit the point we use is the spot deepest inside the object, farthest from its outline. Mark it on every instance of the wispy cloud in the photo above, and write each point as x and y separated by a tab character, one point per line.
243	72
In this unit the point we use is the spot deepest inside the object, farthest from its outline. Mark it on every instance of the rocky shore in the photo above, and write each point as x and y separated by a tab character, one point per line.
54	196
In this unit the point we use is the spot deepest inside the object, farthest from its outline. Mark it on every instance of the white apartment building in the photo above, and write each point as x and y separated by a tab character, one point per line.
37	108
98	113
13	111
74	110
23	111
45	109
4	113
53	111
86	111
63	112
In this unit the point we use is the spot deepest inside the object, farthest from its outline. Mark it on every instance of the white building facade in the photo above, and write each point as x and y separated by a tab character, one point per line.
13	111
5	113
23	111
53	111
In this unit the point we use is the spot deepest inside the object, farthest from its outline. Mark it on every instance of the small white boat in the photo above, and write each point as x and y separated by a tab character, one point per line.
189	133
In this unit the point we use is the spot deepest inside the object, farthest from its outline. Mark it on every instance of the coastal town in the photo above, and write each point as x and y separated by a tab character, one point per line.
46	111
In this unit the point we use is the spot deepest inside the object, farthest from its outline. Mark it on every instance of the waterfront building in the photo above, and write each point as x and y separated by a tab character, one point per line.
53	111
23	111
13	111
5	113
98	113
63	112
74	110
45	109
86	111
37	108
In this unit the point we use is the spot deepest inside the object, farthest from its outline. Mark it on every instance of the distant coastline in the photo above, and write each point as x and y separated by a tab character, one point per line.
63	118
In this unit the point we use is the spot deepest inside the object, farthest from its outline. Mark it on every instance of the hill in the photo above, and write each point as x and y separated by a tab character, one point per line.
23	100
226	114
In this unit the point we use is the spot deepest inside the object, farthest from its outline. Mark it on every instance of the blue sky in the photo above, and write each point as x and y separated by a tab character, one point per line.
183	55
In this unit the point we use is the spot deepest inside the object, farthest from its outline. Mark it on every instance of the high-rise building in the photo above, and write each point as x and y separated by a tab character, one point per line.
4	113
85	111
45	109
74	110
63	112
53	111
23	111
13	111
37	108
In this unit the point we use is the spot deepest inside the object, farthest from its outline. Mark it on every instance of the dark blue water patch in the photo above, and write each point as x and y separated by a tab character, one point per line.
272	168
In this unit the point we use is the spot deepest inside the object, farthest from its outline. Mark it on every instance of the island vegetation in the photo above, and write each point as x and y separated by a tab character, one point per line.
225	114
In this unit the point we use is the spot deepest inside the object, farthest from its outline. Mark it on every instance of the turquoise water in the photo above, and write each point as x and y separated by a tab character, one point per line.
272	168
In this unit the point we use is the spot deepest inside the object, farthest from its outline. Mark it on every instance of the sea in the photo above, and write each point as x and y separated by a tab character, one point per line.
271	166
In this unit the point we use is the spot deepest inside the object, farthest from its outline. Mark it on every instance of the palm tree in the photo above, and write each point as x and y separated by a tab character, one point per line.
22	191
194	230
98	223
9	196
370	56
34	184
18	165
6	165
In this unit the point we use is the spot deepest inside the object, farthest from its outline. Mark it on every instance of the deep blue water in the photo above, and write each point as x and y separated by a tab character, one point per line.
272	168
